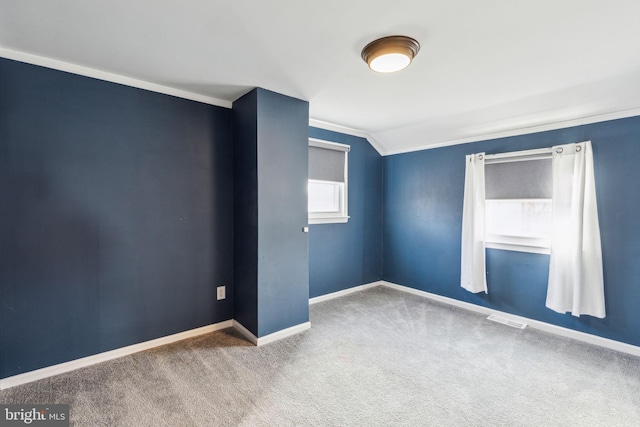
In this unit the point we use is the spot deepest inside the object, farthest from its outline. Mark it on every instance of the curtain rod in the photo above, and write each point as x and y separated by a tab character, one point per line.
525	155
519	156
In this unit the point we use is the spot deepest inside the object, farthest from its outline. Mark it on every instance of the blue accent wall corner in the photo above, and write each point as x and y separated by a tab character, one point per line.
423	198
349	254
116	207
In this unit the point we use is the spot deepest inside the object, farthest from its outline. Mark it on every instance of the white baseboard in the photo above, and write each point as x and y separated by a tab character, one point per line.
61	368
245	332
72	365
271	337
344	292
535	324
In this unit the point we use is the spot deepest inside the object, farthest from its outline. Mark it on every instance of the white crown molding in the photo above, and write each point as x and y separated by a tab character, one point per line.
377	145
154	87
535	324
321	124
72	365
284	333
110	77
337	128
562	124
623	114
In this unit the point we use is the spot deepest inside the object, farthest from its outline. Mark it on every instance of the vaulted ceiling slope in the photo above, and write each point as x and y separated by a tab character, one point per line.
485	68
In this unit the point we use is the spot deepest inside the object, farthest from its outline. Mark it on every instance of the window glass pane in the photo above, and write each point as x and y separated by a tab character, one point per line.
324	196
529	179
525	218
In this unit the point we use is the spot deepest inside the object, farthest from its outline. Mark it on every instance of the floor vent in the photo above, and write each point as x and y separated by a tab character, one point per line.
507	322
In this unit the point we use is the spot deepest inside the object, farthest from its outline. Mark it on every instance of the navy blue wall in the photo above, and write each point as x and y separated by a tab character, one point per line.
245	223
116	216
117	204
345	255
274	250
283	262
423	194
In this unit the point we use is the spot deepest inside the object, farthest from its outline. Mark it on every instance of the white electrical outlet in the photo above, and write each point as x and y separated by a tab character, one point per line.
222	292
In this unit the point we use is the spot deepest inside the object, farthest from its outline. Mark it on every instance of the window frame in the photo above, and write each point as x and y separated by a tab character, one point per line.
516	243
342	216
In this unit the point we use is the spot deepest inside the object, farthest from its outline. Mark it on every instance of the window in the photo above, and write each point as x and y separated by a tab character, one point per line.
327	189
518	204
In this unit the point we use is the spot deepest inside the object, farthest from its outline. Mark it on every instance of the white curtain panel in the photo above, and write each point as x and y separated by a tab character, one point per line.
576	281
473	275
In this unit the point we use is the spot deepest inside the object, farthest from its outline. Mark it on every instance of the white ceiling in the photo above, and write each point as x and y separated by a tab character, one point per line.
485	68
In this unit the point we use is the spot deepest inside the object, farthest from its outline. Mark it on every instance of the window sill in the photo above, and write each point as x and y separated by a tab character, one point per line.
518	248
329	220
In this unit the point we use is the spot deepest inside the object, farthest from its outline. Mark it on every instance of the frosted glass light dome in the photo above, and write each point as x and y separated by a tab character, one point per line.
390	62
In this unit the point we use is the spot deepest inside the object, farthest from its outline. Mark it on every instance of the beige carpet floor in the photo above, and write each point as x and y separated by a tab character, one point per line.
373	358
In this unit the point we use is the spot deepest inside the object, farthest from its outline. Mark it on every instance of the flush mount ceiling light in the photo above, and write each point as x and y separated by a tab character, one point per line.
390	54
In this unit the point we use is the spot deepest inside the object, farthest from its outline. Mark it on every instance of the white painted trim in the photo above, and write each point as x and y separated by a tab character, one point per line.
342	215
321	124
72	365
348	131
476	138
344	292
377	145
535	324
328	220
320	143
523	131
245	332
284	333
110	77
180	93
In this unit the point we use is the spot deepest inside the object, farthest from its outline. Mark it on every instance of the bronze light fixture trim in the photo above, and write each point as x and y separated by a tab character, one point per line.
390	54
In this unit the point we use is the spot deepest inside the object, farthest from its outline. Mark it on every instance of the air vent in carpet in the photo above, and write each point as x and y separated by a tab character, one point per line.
507	322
